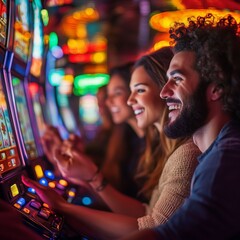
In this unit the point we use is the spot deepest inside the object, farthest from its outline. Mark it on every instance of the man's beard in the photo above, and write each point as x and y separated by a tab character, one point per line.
192	116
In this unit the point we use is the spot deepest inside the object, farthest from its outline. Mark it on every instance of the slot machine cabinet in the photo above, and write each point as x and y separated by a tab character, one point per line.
35	213
29	101
37	166
12	155
41	101
28	96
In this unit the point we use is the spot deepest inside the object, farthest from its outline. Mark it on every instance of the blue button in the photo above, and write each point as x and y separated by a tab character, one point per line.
86	201
49	174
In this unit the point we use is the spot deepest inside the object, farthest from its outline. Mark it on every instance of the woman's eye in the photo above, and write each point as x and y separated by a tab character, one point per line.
117	93
140	90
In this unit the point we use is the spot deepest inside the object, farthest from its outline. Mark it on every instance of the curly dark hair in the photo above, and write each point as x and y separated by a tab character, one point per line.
216	43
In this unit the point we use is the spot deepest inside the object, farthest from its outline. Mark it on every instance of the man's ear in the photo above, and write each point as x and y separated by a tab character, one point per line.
216	92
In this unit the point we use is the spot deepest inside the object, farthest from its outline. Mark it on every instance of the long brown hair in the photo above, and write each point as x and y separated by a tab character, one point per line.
158	146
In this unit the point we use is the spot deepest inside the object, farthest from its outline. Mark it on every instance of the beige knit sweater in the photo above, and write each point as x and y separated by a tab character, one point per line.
174	186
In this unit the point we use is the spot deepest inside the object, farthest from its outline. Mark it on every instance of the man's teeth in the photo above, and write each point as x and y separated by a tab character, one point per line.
174	107
138	111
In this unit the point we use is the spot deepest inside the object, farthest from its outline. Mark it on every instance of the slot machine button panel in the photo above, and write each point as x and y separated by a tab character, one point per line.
35	204
17	205
44	213
26	210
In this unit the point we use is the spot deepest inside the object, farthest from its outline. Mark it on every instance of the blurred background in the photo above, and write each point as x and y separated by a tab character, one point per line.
54	57
85	38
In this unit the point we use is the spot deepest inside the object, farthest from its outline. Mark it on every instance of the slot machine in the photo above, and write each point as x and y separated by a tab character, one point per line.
37	166
12	156
30	104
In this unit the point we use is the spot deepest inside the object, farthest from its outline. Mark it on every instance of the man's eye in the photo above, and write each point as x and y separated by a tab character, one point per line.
177	80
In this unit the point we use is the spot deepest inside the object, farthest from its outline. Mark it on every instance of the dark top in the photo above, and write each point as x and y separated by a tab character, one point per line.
212	211
134	149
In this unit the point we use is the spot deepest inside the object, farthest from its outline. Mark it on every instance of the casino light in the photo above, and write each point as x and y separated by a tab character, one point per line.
57	52
15	81
96	68
73	24
99	57
45	17
66	86
56	76
160	40
85	80
53	40
33	88
164	20
89	83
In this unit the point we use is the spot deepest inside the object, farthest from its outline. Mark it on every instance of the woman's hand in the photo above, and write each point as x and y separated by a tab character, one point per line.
46	194
50	140
74	165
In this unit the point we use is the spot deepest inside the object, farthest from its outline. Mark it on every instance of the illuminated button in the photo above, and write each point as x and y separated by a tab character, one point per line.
44	213
45	205
14	190
49	174
21	201
43	181
26	210
52	184
35	204
31	190
3	156
38	171
17	205
62	184
86	201
72	192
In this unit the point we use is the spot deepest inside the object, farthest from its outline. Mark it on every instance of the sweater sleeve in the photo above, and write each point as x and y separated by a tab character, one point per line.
174	186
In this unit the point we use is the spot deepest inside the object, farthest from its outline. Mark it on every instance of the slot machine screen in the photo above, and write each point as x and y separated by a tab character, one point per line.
22	33
3	22
38	44
9	158
36	97
24	118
